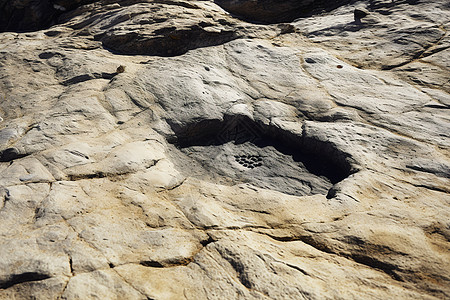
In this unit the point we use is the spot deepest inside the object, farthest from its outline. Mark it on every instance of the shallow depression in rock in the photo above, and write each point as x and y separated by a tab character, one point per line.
241	151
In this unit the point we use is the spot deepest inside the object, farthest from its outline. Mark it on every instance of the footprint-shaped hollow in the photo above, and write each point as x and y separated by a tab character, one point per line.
238	150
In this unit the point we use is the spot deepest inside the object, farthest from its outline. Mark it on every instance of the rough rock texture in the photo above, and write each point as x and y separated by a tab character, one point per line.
272	11
30	15
167	149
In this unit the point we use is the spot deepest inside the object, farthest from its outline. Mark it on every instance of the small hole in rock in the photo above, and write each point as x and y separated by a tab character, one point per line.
153	264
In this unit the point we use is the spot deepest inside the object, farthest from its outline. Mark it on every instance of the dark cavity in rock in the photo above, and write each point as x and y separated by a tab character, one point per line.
238	150
168	44
21	278
32	15
275	11
10	154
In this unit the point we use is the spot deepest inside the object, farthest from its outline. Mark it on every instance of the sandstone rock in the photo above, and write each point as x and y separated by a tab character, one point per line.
29	15
170	150
377	43
269	11
101	283
153	28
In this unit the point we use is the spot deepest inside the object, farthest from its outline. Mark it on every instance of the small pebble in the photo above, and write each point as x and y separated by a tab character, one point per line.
120	69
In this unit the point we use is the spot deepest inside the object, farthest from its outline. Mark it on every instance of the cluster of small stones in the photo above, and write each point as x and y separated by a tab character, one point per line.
249	161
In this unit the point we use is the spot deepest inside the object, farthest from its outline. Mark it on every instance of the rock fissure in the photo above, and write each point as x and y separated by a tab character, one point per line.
307	239
130	284
419	55
180	262
374	263
433	188
86	77
359	257
108	175
243	227
173	187
240	274
64	289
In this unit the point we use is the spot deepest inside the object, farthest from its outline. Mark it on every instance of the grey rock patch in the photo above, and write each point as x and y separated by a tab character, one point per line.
242	151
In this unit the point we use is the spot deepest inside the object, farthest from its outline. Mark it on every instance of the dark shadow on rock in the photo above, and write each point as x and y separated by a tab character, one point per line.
317	158
169	43
33	15
21	278
10	154
273	11
86	77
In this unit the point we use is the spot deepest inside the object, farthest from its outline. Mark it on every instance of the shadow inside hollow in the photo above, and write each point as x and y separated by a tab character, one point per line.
318	157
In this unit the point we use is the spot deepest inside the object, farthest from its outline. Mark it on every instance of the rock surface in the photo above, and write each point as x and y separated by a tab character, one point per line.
272	11
168	149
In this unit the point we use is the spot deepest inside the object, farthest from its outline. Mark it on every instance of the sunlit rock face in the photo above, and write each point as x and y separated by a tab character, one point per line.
178	149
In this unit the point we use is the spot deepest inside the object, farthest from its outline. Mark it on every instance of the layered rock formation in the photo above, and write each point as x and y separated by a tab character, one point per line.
176	149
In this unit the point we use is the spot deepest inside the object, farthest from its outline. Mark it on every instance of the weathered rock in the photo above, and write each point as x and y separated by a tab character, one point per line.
271	11
167	150
377	42
31	15
153	28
